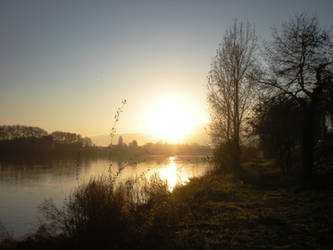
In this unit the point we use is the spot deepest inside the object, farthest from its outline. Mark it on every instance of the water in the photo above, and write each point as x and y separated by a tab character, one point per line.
24	187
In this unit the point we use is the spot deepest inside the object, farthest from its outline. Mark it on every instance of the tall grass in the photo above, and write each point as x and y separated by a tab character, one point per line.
103	214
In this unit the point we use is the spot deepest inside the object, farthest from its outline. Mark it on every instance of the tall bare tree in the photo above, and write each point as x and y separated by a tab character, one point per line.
229	85
299	65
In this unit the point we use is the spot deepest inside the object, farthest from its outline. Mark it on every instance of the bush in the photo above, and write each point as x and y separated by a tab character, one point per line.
105	214
223	157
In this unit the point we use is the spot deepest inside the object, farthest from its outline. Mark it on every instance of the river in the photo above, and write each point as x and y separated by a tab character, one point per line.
24	186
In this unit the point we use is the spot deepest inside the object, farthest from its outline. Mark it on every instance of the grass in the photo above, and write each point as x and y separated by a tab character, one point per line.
234	215
211	212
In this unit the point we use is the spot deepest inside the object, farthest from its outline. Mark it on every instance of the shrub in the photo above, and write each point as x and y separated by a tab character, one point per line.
105	214
223	157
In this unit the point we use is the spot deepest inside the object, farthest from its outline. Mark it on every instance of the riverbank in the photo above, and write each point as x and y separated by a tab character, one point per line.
212	212
232	215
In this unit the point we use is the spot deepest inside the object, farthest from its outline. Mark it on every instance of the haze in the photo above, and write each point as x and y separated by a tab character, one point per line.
67	66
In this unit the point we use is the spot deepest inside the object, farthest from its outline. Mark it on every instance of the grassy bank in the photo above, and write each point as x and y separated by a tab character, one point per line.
212	212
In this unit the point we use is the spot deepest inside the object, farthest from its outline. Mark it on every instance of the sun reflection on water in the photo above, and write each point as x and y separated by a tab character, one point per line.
173	175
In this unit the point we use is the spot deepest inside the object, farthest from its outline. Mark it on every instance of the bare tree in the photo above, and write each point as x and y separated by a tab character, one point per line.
229	85
299	65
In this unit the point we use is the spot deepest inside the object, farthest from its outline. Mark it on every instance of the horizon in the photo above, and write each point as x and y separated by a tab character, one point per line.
196	134
68	66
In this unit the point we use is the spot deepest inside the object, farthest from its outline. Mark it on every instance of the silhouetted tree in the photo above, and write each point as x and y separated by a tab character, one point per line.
276	122
87	142
230	87
299	63
133	144
9	132
25	142
65	137
120	142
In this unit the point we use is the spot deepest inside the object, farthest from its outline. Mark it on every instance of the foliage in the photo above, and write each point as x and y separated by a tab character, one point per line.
276	122
8	132
105	214
222	157
216	211
219	211
299	65
33	143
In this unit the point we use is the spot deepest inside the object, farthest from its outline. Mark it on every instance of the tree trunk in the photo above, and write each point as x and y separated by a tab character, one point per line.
308	141
236	144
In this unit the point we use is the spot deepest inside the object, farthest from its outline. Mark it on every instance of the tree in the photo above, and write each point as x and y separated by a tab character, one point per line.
230	87
20	131
87	142
133	144
299	65
276	123
120	142
67	138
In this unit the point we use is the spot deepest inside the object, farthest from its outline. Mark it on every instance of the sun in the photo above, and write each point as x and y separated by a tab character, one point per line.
171	117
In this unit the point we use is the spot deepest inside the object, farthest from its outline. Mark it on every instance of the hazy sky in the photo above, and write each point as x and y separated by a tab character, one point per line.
66	65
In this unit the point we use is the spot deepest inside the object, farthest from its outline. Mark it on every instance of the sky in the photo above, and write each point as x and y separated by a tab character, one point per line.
67	65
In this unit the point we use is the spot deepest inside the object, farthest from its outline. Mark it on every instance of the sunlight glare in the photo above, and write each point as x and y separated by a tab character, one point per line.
172	175
171	117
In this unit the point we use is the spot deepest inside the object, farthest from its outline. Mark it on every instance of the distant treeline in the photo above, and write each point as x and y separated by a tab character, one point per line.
24	142
33	143
159	148
176	149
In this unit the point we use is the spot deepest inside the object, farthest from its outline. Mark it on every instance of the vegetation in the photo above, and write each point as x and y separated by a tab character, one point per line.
25	144
230	87
215	211
276	123
291	111
266	205
300	60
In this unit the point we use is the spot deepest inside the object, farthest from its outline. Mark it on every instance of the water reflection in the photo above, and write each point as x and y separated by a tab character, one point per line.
23	188
172	175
